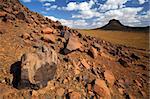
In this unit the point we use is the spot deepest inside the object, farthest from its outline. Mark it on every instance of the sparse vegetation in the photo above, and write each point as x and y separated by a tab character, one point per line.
1	7
132	39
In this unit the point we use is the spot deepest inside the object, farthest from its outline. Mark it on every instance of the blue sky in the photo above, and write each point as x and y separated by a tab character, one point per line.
92	13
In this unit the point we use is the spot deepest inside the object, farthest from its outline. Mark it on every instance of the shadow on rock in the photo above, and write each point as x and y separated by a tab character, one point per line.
16	71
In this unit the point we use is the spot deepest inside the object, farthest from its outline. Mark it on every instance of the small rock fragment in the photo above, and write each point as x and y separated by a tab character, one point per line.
85	64
60	91
93	52
75	95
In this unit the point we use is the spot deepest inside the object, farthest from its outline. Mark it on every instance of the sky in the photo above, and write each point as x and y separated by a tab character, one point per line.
87	14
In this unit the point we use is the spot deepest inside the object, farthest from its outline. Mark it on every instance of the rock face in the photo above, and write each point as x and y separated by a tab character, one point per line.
38	68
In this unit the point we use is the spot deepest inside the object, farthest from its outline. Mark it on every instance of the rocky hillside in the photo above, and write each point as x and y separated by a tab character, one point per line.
117	25
42	59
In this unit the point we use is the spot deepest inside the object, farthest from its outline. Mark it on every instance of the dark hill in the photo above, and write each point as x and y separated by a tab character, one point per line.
117	25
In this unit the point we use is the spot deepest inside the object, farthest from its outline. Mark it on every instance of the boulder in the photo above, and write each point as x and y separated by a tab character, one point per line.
101	89
93	52
72	45
109	77
47	30
38	68
49	38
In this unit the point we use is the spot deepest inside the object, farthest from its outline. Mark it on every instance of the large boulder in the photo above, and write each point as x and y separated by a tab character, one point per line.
72	45
38	68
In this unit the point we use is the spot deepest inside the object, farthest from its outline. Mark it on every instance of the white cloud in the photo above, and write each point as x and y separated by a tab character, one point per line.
51	7
71	23
46	4
84	9
127	16
52	18
79	6
89	17
142	1
26	0
87	14
113	4
47	0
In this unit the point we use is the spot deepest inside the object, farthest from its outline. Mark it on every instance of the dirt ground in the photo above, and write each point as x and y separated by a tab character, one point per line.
132	39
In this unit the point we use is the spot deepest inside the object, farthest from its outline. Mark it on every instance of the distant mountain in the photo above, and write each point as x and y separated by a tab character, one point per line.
117	25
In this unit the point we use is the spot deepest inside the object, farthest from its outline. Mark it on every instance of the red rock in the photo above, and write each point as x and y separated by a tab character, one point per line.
73	43
109	77
85	64
47	31
60	91
75	95
107	56
26	35
121	90
138	83
2	14
101	89
49	38
76	71
93	52
89	86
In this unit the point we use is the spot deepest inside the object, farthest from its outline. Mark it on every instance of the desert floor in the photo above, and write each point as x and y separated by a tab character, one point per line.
132	39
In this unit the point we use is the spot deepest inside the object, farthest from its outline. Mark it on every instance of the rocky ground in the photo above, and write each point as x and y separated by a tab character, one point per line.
42	59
